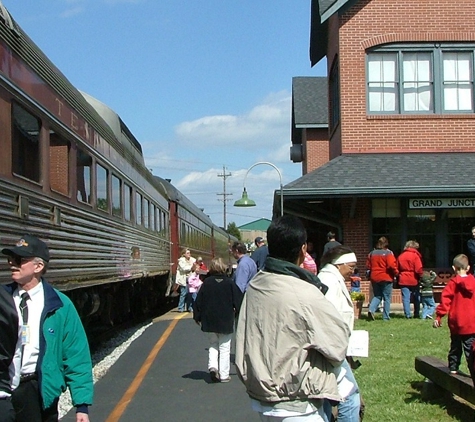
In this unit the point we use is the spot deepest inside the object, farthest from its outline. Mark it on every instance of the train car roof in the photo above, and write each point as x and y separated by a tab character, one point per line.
176	196
120	129
22	45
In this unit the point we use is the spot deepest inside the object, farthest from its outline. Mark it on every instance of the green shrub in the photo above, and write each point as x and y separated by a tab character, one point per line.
357	296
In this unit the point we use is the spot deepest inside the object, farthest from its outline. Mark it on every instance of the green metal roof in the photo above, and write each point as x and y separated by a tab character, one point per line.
259	225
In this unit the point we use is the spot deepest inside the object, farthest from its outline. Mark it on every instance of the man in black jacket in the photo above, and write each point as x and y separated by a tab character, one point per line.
471	249
9	335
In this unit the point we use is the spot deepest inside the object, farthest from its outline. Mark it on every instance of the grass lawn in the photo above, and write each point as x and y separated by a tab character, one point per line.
390	386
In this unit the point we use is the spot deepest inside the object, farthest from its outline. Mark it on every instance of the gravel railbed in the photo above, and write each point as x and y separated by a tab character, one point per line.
104	358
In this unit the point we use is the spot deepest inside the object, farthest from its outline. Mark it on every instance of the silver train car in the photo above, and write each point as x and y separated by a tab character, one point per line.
73	174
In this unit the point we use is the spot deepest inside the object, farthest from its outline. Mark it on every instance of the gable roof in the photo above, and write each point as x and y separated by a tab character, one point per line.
309	105
310	101
259	225
385	174
321	10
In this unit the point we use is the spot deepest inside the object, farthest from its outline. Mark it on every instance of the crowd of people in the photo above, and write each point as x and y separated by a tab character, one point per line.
292	323
293	320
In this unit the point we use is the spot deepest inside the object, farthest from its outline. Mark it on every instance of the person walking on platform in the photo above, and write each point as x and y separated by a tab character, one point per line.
218	300
54	349
290	340
194	283
338	265
185	262
9	344
382	267
331	242
410	271
260	254
246	267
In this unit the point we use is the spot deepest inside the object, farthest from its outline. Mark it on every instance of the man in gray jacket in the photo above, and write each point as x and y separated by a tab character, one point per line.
289	337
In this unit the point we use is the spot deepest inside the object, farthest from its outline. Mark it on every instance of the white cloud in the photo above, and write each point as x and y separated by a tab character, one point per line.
280	154
263	125
236	141
72	12
199	181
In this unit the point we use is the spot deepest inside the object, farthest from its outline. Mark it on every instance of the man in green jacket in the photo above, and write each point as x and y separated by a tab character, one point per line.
55	352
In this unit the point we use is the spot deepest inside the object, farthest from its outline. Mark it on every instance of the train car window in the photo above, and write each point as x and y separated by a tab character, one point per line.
160	227
83	168
183	233
116	196
26	156
59	163
146	216
138	209
127	202
102	188
153	220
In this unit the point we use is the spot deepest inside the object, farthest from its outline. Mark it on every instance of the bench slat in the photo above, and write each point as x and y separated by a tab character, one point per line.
437	371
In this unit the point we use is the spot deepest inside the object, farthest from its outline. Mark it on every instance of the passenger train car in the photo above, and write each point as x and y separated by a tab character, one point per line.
72	173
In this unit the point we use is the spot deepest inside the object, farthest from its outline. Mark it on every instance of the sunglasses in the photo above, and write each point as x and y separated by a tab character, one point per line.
18	260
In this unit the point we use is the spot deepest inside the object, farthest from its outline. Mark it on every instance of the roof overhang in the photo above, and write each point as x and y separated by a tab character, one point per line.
383	175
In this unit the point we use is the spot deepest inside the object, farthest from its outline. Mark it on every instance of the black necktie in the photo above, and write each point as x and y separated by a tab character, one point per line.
24	314
24	307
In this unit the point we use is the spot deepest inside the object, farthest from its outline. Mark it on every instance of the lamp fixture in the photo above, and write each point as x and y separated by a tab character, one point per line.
245	201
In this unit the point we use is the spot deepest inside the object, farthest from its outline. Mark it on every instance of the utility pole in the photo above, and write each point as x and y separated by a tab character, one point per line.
224	194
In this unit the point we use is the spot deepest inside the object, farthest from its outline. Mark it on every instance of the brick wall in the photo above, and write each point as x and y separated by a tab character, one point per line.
375	22
316	149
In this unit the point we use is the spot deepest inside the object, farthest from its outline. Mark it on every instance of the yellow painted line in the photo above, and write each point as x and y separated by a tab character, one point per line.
119	410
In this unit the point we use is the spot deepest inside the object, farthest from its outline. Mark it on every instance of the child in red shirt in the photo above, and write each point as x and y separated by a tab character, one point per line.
458	301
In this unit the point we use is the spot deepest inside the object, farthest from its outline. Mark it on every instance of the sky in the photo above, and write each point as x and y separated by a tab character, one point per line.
204	86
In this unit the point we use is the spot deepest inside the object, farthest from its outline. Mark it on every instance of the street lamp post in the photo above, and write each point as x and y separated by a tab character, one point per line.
245	201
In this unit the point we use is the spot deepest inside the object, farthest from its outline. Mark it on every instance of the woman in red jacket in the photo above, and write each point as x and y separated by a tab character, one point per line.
382	267
410	271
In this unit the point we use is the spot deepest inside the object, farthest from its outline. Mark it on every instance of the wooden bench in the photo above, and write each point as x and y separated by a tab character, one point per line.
437	371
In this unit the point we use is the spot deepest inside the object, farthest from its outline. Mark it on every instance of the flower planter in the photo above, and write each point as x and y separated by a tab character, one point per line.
357	308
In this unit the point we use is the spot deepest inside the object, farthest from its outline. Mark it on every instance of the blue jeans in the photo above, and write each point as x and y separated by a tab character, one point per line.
406	292
182	300
349	409
428	306
381	290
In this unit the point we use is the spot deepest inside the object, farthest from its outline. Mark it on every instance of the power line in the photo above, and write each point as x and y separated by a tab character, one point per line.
224	194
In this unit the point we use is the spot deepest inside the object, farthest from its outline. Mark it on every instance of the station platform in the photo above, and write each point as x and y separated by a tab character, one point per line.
163	376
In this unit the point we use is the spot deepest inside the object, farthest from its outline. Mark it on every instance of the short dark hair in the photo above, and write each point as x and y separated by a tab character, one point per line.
239	247
285	237
331	235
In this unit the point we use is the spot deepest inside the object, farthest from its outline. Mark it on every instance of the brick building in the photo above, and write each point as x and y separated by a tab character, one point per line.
397	152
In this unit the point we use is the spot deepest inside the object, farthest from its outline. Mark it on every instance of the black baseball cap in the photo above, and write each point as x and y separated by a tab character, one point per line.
258	240
29	247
